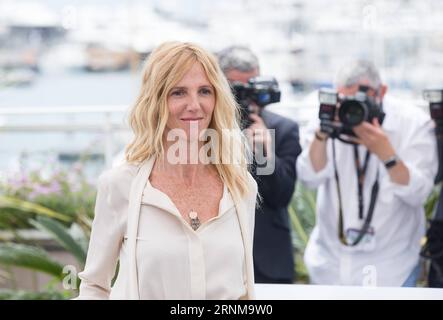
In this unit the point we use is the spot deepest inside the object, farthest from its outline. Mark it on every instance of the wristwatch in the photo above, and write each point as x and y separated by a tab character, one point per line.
392	161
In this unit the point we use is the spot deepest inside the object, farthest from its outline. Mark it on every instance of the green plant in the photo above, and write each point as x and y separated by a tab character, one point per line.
54	204
50	294
431	201
65	195
61	235
302	217
31	257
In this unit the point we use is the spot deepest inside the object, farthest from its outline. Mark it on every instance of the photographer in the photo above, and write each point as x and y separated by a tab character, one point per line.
433	247
373	160
273	252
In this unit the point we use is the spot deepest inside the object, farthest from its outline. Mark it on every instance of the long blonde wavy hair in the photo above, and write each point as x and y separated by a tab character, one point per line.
164	68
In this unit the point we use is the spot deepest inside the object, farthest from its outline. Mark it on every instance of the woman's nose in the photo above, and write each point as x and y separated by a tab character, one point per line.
193	103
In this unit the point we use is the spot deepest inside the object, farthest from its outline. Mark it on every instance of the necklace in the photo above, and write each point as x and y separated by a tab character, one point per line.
195	221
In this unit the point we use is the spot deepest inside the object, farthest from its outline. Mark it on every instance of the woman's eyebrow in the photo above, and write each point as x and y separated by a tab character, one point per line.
207	86
185	88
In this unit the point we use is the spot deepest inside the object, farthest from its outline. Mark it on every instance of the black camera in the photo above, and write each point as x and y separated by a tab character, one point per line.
435	99
259	90
339	114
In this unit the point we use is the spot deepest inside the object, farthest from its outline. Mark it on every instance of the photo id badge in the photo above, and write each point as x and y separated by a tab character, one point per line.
367	243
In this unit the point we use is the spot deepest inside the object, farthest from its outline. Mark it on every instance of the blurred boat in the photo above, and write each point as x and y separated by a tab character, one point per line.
17	77
21	57
101	57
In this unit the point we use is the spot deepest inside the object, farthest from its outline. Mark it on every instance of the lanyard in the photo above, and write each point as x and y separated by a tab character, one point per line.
374	193
361	172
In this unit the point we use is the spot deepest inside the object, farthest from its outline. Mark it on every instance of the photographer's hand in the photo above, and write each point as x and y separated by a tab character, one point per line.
317	150
377	142
375	139
258	133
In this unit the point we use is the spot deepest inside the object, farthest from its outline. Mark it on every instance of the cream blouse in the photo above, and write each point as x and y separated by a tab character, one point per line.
202	264
168	259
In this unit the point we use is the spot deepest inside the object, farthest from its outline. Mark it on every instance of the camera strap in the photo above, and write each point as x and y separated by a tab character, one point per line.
368	219
360	178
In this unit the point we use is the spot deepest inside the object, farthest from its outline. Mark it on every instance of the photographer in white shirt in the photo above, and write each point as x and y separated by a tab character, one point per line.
401	163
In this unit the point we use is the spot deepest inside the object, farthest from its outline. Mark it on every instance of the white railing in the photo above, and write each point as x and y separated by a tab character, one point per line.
105	124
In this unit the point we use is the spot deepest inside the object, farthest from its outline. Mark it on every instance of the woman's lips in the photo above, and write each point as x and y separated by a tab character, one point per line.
191	119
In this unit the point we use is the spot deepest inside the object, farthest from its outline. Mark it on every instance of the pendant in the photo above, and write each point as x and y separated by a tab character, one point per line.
195	221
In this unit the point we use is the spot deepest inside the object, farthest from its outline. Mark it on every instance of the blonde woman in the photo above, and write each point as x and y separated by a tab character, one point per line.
179	229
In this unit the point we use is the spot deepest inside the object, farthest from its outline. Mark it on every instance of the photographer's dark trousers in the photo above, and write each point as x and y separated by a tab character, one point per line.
435	279
261	278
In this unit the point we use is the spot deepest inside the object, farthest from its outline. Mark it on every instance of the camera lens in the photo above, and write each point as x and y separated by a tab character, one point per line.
352	113
263	98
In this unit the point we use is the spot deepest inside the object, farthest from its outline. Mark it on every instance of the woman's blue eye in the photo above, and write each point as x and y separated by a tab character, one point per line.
205	91
177	93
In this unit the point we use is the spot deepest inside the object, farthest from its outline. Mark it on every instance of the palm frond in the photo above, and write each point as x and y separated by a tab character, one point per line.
297	226
26	206
29	257
60	234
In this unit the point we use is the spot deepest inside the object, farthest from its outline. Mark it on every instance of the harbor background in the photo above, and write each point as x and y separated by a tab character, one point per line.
70	71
